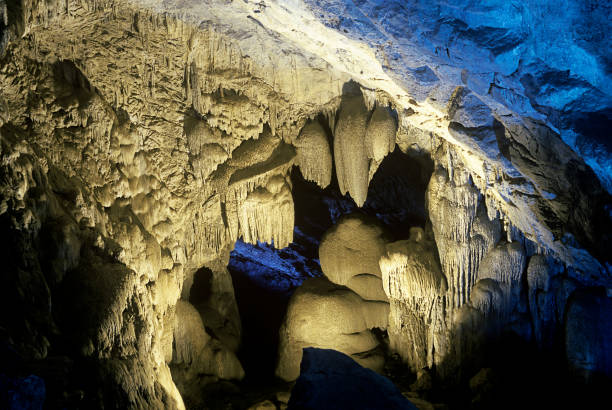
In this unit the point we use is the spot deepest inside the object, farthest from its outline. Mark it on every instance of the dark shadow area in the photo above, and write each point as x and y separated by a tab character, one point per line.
516	374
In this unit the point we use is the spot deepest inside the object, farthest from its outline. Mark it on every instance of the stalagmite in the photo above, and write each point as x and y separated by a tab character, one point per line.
350	153
501	270
321	314
463	231
197	358
542	281
416	288
314	154
349	254
139	140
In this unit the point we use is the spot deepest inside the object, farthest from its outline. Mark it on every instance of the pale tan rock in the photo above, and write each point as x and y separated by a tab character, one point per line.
463	231
502	270
350	154
267	214
416	287
379	138
151	133
196	353
283	397
380	134
314	154
349	254
321	314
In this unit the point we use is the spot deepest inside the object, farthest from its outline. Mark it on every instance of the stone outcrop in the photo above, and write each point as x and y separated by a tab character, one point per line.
139	140
331	379
349	254
321	314
413	281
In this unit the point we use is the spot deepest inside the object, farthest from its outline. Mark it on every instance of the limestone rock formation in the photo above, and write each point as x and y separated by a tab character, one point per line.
321	314
349	254
588	334
543	281
314	154
380	137
362	139
416	287
463	231
197	358
140	139
259	205
211	292
330	379
350	154
501	274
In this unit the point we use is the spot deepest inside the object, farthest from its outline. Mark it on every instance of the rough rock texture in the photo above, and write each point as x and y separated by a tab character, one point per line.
543	277
330	379
380	137
416	288
463	231
588	334
196	357
350	155
139	140
314	154
502	271
349	254
362	139
324	315
22	393
211	292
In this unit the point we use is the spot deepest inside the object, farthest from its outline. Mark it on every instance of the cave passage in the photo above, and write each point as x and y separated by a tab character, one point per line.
264	278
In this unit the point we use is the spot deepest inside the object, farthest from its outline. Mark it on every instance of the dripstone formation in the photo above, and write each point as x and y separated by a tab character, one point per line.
140	140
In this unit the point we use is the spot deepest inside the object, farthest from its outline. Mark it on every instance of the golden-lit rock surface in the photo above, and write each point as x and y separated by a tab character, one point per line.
139	140
349	254
322	314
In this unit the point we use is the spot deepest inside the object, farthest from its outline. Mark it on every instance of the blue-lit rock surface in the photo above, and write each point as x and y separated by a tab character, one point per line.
332	380
549	58
21	393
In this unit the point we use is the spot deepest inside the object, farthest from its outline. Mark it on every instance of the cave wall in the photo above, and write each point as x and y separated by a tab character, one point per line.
137	146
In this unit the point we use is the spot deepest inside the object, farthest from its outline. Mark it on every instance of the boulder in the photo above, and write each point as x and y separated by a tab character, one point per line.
349	254
322	314
332	380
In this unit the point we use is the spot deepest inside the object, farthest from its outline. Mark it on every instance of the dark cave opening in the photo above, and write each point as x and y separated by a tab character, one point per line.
264	278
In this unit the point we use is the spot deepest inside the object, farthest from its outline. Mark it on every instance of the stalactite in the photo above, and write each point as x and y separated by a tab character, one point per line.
267	215
462	229
314	154
349	149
